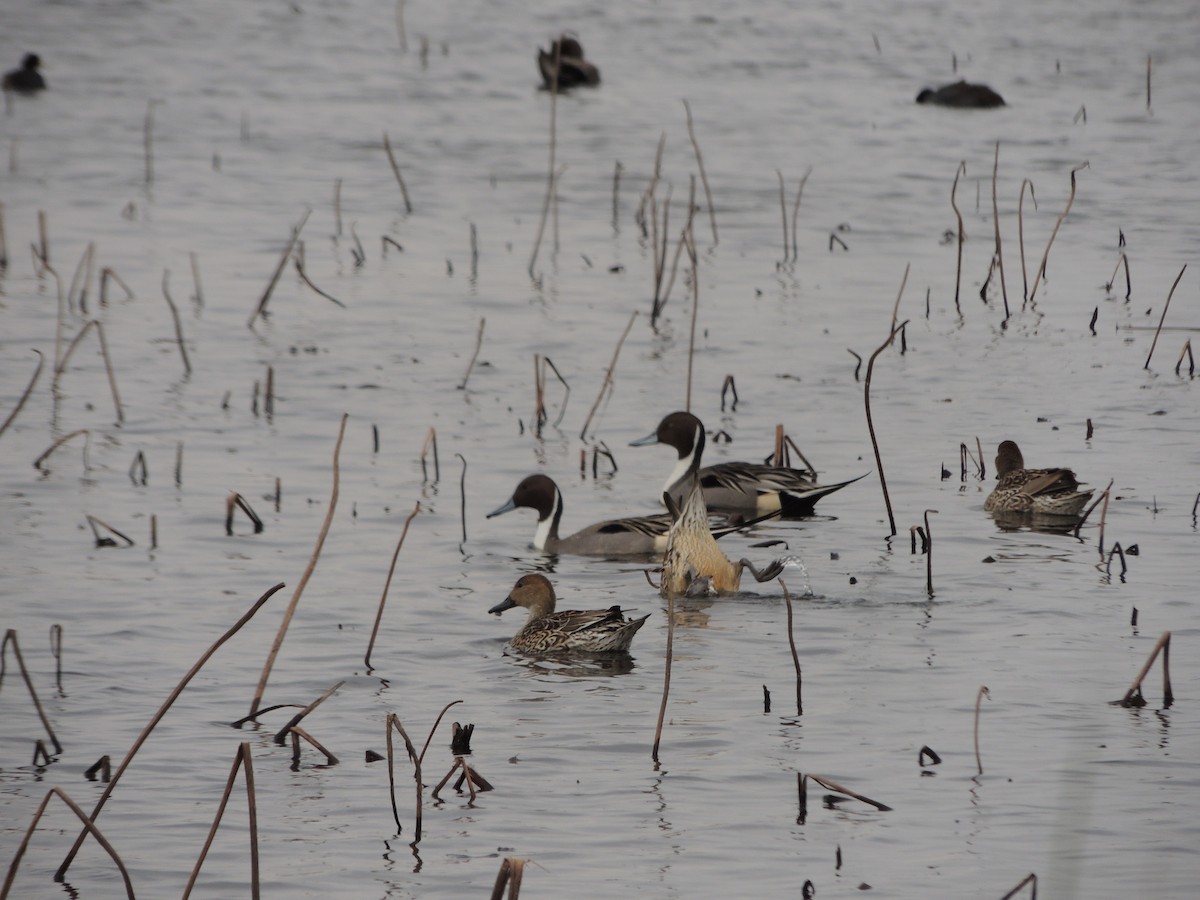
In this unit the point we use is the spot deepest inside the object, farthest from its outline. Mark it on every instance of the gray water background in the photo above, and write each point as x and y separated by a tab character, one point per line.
264	106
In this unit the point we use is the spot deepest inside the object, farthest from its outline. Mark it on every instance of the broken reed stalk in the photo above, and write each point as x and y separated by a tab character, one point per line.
660	249
662	708
281	735
1149	67
162	711
43	248
387	146
56	642
1103	518
337	207
474	356
393	720
299	733
983	692
269	394
962	234
831	785
93	522
37	463
1031	880
792	644
197	297
546	200
1163	317
112	378
616	195
1021	233
996	223
1122	260
105	274
261	309
1133	696
10	637
867	399
187	366
388	583
82	271
474	252
304	277
783	214
661	301
37	372
608	377
929	554
312	564
1185	352
540	365
148	139
796	211
511	872
712	212
89	828
691	249
431	441
241	759
1041	269
462	492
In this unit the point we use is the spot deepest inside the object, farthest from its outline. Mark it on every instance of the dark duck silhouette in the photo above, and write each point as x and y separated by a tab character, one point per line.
573	69
27	79
962	95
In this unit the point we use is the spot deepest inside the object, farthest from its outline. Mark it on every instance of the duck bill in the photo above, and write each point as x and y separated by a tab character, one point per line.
506	603
651	438
500	510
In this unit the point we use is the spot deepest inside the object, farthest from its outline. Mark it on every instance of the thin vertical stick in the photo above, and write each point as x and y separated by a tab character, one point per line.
394	720
795	656
712	212
162	711
929	554
1041	270
608	377
783	215
287	252
25	396
796	211
474	356
3	242
1134	693
198	297
10	637
551	164
387	146
662	709
996	223
241	759
462	490
312	564
269	394
148	140
962	234
44	241
616	195
1163	317
1021	232
1149	66
187	366
387	584
337	207
983	692
691	248
867	399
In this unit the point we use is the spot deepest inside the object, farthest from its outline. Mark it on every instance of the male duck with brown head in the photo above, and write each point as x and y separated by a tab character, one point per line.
1047	492
631	536
755	487
547	631
27	79
573	69
962	95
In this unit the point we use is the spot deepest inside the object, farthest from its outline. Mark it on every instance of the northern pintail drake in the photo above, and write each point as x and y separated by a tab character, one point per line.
547	631
1051	492
632	536
962	95
573	69
694	565
756	487
27	79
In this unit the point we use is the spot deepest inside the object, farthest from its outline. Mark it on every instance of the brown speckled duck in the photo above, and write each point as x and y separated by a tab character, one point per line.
1048	492
547	631
573	69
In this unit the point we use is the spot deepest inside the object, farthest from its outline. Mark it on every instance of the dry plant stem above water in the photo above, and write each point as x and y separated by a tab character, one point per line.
608	377
661	301
387	146
712	212
1021	233
831	785
430	443
795	656
1122	260
929	554
10	637
796	211
1041	269
662	708
983	692
511	872
37	372
90	828
1133	696
1031	880
1163	317
867	399
388	583
691	248
304	277
83	273
393	721
162	711
187	365
462	493
474	356
37	463
283	258
281	735
112	378
197	297
962	234
105	274
996	223
241	760
783	214
312	564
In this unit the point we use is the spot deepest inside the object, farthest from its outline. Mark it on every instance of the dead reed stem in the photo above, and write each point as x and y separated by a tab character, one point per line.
312	564
393	721
712	211
1122	260
1021	233
983	692
616	196
462	493
662	708
162	711
550	166
10	637
304	277
1186	351
660	249
1149	68
241	759
198	297
431	441
337	207
269	394
281	735
388	583
962	234
148	139
867	399
540	364
83	272
792	644
831	785
474	356
89	828
299	734
1041	269
37	463
105	274
37	372
261	309
510	874
1103	518
94	521
1031	880
387	146
796	211
187	366
996	223
608	377
661	301
1133	696
691	248
783	215
1163	317
56	642
43	248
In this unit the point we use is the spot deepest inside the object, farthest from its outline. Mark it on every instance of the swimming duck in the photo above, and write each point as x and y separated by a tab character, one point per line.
573	69
27	79
1052	492
694	565
547	631
735	485
962	95
632	536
